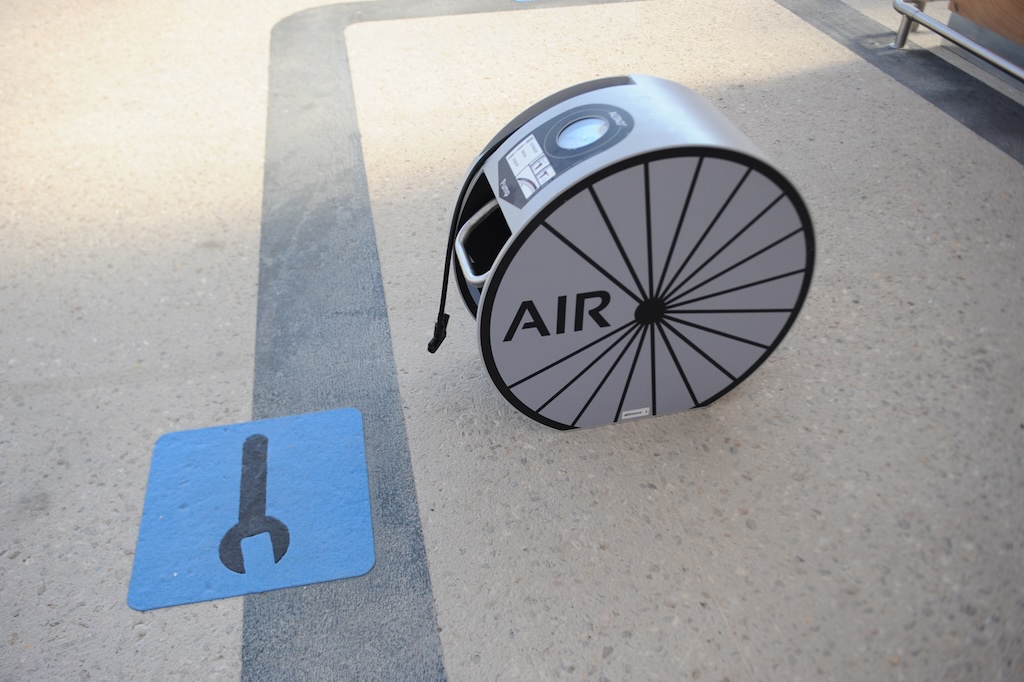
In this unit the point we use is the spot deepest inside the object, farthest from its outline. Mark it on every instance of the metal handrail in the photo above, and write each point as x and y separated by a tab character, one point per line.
912	15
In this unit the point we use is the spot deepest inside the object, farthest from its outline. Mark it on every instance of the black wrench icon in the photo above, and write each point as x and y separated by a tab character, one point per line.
252	509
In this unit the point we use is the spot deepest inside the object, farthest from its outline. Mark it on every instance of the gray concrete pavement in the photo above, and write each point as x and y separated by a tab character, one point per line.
851	512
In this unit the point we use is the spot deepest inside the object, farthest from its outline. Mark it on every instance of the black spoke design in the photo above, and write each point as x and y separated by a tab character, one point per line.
605	379
654	378
707	231
671	297
678	308
715	239
615	237
729	243
587	368
629	377
627	327
679	367
679	225
704	355
716	332
592	263
677	301
650	237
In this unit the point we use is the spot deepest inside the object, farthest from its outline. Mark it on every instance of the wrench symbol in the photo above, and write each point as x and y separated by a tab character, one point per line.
252	509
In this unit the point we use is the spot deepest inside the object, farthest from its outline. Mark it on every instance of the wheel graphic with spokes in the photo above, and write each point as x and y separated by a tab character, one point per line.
654	286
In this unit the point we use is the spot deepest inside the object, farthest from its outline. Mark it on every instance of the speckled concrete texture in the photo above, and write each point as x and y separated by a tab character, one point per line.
851	512
131	137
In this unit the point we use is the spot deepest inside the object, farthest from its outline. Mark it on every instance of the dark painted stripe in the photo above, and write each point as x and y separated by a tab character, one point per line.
987	112
323	341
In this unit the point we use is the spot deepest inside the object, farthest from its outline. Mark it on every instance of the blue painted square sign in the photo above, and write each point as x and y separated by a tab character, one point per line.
245	508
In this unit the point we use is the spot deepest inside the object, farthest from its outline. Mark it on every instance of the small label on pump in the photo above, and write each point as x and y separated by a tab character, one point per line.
639	412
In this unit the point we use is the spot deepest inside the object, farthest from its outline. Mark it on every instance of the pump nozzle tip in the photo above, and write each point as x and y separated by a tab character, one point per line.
440	332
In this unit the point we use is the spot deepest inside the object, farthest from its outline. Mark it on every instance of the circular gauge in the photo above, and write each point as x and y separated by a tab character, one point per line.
582	132
657	285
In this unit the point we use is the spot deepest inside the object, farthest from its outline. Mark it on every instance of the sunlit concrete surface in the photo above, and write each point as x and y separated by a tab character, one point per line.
851	512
